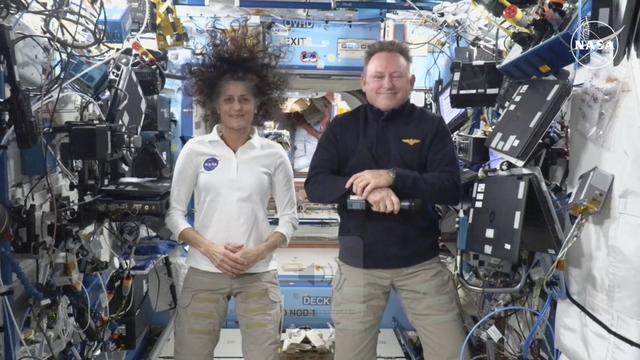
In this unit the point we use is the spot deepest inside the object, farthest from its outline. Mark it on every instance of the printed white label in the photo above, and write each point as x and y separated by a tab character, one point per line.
535	120
496	140
521	190
494	333
553	92
510	141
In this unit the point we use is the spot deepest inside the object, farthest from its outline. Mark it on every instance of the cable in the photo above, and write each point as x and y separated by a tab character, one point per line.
591	316
534	331
7	136
88	307
155	308
46	337
68	174
6	257
26	315
488	316
50	98
15	323
145	21
423	14
67	14
130	295
45	50
53	111
73	205
26	197
123	102
107	241
572	237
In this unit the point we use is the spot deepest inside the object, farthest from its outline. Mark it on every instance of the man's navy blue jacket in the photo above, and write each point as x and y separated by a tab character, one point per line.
418	145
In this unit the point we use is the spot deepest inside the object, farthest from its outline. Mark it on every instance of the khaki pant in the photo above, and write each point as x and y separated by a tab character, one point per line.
202	309
427	294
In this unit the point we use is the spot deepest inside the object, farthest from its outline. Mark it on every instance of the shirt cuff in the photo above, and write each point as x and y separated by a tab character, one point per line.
177	226
287	234
402	179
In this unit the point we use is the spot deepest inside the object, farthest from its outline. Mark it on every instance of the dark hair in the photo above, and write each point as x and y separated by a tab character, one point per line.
240	53
387	46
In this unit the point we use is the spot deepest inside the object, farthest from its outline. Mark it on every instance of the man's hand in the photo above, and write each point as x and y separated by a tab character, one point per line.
250	255
384	200
364	182
226	258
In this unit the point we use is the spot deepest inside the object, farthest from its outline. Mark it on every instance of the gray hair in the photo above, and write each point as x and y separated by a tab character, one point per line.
387	46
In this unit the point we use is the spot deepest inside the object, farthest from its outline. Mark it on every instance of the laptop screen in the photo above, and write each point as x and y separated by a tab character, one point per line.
452	116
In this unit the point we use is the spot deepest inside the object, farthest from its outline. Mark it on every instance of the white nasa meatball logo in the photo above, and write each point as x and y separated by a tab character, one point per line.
210	164
593	50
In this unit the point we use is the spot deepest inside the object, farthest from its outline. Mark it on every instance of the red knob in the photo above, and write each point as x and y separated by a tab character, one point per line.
510	12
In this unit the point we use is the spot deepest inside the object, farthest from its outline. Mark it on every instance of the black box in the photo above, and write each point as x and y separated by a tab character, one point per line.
528	115
91	142
512	213
471	149
475	84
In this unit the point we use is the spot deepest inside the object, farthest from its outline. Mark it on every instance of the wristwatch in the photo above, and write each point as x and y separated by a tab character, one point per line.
392	173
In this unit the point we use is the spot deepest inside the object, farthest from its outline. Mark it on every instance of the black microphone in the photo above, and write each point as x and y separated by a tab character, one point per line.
358	203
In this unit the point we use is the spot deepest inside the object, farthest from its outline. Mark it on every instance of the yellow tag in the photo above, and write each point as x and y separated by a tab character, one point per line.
544	69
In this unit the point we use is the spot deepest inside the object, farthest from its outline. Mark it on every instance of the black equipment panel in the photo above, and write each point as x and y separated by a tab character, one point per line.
475	84
512	213
528	115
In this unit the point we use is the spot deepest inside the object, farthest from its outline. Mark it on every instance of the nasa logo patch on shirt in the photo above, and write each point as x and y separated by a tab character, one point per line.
210	164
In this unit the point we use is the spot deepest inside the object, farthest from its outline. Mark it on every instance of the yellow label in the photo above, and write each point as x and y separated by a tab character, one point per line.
544	69
411	142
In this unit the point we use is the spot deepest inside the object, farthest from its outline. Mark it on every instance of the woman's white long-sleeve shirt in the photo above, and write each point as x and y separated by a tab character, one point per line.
231	193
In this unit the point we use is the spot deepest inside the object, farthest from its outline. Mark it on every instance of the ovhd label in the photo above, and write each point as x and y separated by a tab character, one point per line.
316	300
299	24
